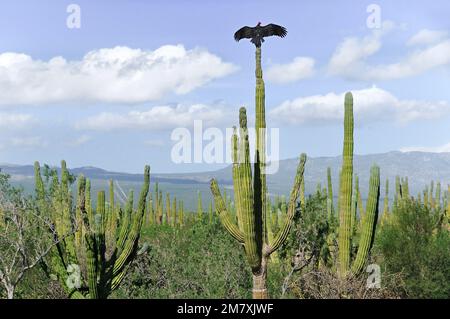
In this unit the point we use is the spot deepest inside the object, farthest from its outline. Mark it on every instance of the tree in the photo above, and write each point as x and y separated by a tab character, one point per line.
26	236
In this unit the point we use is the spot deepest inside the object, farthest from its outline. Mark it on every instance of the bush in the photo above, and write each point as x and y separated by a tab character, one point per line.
196	261
414	244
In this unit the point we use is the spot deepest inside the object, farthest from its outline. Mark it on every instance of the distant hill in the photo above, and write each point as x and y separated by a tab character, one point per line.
420	167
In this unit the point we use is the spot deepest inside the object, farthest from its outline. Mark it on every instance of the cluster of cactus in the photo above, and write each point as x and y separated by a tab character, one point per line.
349	201
436	200
164	209
250	194
433	198
200	215
171	213
93	260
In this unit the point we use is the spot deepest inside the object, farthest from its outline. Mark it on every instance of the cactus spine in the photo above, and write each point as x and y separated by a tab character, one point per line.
369	218
101	254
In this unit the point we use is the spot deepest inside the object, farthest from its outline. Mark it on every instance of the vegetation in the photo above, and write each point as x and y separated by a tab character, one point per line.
415	243
58	244
93	261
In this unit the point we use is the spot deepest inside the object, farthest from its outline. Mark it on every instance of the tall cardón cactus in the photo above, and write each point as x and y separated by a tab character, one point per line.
250	228
369	219
250	193
93	262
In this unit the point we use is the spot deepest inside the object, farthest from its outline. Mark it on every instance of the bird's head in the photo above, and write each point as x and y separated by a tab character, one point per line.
259	24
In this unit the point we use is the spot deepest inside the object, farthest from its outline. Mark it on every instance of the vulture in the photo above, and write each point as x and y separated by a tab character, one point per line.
259	32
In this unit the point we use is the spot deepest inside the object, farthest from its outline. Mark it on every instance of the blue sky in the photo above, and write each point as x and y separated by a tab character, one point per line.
110	93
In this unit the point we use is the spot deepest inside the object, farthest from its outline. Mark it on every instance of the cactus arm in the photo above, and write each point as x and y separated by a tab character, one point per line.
360	204
330	207
283	233
355	205
66	214
346	189
39	186
302	195
369	222
125	222
223	214
133	235
91	252
385	216
91	263
249	212
235	171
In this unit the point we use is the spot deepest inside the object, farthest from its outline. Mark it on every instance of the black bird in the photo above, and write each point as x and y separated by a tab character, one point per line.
259	32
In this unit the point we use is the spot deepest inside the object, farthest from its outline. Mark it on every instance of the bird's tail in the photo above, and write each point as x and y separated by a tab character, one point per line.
257	42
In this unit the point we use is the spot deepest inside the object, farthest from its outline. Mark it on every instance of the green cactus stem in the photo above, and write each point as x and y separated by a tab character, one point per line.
252	236
105	239
369	218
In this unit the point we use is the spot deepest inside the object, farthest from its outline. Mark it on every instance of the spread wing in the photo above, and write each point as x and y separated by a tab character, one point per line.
274	29
244	32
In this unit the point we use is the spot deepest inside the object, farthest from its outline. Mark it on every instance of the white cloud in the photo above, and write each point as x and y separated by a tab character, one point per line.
118	75
28	142
156	118
425	36
83	139
15	120
299	68
433	149
350	58
370	104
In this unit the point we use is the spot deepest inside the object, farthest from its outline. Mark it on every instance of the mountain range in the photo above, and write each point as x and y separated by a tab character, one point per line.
420	167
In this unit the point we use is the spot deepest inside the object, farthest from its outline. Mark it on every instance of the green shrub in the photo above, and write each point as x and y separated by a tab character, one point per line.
414	244
197	261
